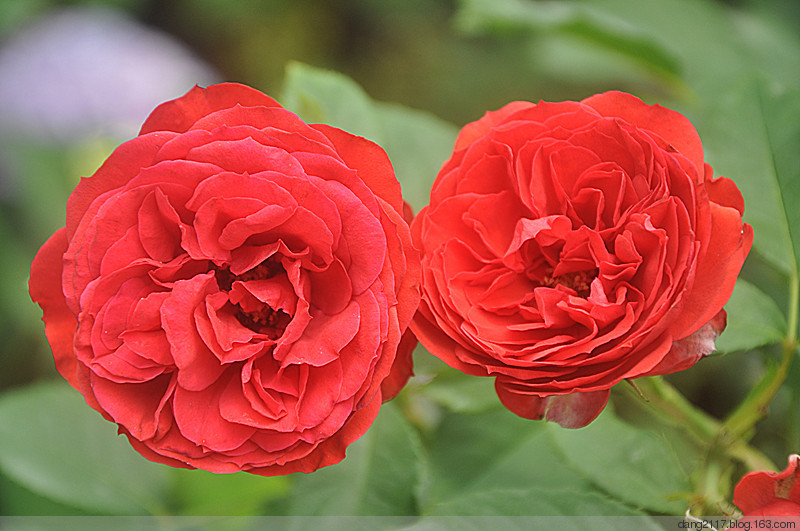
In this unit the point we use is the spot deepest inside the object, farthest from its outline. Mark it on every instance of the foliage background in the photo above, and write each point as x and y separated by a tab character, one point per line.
445	446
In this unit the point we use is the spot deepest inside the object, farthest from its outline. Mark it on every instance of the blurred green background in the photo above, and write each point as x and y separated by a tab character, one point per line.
77	78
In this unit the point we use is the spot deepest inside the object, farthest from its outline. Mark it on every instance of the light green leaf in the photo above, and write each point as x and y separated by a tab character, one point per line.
698	34
772	44
197	492
324	96
576	19
754	320
56	445
417	142
380	476
631	464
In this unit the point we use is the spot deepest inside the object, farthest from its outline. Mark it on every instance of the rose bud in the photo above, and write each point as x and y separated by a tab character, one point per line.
570	246
232	285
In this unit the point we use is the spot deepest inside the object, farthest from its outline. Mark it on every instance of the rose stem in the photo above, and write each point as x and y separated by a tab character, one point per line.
702	427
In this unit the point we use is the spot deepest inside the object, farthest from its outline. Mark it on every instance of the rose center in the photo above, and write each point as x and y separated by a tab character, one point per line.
266	321
578	281
253	314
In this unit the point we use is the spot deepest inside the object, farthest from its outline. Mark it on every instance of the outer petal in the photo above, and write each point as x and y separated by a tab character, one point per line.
123	165
573	410
671	126
474	130
689	350
402	368
723	191
717	270
330	451
45	290
370	161
179	114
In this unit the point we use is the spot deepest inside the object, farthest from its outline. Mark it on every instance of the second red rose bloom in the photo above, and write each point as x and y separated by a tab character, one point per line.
569	246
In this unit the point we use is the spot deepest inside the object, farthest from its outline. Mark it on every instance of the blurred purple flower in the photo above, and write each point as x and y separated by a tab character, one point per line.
90	71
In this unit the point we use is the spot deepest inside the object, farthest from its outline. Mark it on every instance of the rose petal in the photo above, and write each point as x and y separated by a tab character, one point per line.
758	490
717	270
573	410
197	366
402	368
199	419
45	290
178	115
671	126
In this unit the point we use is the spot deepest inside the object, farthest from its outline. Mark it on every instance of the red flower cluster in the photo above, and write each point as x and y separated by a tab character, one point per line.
232	285
569	246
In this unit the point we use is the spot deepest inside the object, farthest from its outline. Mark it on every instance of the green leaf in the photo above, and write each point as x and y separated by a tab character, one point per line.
417	142
380	475
543	501
754	320
631	464
598	30
698	34
14	15
462	394
197	492
56	445
737	142
772	44
780	112
324	96
17	500
494	450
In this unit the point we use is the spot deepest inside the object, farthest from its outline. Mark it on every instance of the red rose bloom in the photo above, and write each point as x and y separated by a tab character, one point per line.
232	285
569	246
760	494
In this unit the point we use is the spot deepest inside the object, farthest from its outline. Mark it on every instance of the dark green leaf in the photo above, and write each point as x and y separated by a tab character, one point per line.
56	445
17	500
